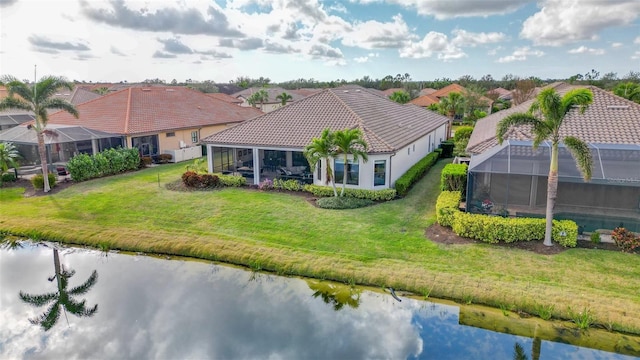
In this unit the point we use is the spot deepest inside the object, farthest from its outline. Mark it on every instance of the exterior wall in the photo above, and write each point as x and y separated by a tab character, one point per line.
406	157
266	107
173	142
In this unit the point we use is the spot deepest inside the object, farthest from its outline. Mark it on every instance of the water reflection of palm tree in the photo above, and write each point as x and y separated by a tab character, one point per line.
519	354
63	298
337	295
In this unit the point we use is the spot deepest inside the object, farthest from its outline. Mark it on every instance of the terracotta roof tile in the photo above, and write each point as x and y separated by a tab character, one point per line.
138	110
387	126
225	97
609	119
425	100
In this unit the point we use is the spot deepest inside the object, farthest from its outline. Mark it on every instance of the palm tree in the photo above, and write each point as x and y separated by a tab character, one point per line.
284	97
545	118
260	96
63	298
401	97
322	148
350	142
628	90
38	98
8	157
450	106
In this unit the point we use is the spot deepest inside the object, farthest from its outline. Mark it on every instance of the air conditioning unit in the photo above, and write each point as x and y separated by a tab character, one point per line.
182	144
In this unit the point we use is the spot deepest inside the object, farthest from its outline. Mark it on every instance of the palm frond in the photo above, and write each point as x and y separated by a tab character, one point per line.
581	154
577	97
49	318
514	120
37	300
81	289
56	103
11	102
49	85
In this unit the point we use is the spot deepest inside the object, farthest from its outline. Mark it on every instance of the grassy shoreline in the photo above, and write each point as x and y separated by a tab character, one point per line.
382	245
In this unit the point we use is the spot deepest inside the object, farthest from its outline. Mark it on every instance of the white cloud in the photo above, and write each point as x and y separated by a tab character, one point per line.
376	35
562	22
637	40
585	50
361	59
465	38
337	7
616	45
636	55
460	8
433	43
494	51
520	54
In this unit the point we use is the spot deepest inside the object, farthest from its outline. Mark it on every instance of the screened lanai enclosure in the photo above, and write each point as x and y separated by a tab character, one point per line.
511	180
62	142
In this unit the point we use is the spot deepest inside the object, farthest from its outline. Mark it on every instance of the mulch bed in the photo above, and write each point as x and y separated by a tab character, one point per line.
444	235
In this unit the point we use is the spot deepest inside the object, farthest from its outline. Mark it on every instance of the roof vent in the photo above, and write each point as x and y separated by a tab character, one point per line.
145	89
617	106
345	91
357	90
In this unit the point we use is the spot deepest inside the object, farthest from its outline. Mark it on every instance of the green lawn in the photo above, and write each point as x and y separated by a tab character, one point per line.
381	245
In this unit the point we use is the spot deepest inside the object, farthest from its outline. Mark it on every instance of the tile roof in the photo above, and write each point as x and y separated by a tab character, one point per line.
610	119
225	97
427	91
448	89
390	92
387	126
138	110
425	100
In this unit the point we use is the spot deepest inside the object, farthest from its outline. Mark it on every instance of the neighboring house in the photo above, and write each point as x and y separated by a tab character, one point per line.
434	97
390	92
271	145
14	117
228	89
512	177
502	93
425	100
427	91
157	119
224	97
272	102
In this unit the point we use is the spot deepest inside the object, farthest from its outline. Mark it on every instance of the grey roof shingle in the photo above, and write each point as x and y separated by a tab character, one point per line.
387	126
610	119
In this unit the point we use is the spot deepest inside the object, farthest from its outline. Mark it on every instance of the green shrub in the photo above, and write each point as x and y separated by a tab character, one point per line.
463	132
625	239
493	229
595	237
565	232
454	178
8	177
447	206
447	148
111	161
232	180
374	195
342	203
439	152
289	185
38	181
415	173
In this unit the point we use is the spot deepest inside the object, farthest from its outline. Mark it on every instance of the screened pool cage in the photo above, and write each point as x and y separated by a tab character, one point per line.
511	180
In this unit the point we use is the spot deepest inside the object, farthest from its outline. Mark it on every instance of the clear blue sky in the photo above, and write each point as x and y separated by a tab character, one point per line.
115	40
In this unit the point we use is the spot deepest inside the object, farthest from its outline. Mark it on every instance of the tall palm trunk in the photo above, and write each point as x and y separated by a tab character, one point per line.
56	265
42	150
330	177
552	192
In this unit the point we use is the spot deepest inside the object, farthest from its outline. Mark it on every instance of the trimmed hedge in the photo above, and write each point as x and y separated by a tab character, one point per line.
38	181
454	178
463	132
231	180
447	148
375	195
415	173
493	229
339	203
109	162
447	207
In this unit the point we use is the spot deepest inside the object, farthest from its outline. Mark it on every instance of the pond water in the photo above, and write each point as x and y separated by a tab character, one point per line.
139	307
